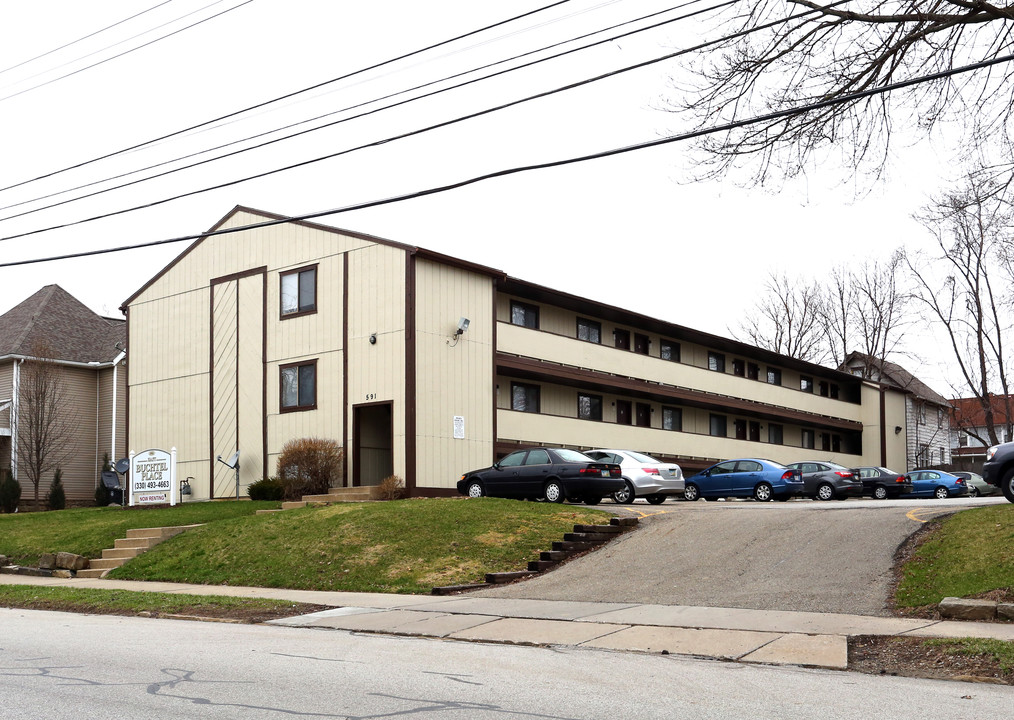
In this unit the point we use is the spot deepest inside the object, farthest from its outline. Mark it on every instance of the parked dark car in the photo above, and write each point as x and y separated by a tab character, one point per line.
553	474
999	468
745	477
826	480
936	483
882	483
976	485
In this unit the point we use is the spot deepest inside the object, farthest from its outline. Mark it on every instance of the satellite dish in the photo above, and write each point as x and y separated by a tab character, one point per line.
122	466
232	462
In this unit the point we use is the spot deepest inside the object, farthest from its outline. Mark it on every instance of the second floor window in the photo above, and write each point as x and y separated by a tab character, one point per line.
775	434
774	376
807	439
589	407
672	418
716	361
299	291
524	315
806	384
524	397
718	426
589	330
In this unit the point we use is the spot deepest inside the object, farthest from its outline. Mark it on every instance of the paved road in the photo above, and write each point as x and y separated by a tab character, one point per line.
55	666
803	555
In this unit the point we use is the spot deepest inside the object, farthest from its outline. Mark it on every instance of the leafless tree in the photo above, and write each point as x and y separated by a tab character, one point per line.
785	54
44	429
860	310
786	320
965	285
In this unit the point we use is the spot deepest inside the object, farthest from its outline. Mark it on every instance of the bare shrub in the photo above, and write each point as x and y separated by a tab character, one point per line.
391	488
310	466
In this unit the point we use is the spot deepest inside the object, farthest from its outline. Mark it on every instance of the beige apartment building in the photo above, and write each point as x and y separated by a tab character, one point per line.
425	366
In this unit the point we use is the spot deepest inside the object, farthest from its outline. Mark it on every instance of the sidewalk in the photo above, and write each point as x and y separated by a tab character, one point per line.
751	636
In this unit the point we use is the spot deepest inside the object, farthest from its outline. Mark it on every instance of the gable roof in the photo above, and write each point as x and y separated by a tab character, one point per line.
897	376
57	319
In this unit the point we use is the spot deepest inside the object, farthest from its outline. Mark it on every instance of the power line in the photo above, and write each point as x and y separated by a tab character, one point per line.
366	113
285	97
82	39
126	52
768	117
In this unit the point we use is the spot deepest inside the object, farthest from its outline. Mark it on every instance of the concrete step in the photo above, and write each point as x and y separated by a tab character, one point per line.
121	553
293	504
106	563
93	572
142	543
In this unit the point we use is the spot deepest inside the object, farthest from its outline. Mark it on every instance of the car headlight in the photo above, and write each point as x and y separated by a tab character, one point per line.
991	452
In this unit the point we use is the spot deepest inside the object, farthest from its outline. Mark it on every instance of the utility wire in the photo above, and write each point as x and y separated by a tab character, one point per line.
365	113
125	52
82	39
285	97
768	117
418	131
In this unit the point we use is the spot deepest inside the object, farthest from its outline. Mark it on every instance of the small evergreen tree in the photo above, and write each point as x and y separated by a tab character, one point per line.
101	491
57	498
10	492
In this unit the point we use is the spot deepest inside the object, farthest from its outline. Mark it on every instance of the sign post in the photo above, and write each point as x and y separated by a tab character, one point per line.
153	477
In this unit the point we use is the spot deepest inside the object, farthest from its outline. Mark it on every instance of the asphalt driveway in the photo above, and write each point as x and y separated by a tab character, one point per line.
803	555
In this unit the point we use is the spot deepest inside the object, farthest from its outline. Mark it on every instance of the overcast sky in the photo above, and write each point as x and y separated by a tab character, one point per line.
623	230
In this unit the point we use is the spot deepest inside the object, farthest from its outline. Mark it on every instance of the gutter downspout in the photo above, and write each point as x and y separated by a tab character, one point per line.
15	402
116	364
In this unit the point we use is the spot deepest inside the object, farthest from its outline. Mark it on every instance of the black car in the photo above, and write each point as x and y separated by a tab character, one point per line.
881	483
552	474
826	480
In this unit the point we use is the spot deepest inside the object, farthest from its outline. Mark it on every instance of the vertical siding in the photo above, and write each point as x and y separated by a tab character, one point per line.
6	393
250	380
454	378
376	298
224	407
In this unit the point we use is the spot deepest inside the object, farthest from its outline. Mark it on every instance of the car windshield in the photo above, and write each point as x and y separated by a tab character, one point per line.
568	455
641	458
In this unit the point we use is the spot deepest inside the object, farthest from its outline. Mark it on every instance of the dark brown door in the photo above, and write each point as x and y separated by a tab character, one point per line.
622	338
741	429
643	415
754	431
640	344
623	412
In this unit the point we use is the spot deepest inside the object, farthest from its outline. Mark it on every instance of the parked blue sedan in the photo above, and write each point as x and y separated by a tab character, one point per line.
936	483
747	477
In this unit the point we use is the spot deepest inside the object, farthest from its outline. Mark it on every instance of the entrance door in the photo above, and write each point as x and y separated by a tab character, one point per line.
623	412
622	339
373	443
643	415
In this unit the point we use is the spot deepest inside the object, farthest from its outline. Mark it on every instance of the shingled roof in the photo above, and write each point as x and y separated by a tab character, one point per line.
57	319
894	374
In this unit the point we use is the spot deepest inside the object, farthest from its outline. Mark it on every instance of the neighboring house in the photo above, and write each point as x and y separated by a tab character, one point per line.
927	423
968	424
293	329
87	350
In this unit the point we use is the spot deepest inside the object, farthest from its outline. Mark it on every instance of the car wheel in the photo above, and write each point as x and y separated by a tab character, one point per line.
825	492
592	500
940	493
973	492
554	492
655	499
762	492
691	493
880	492
1007	485
475	489
624	496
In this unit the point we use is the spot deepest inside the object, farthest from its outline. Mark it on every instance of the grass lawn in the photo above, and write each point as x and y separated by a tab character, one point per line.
968	554
405	546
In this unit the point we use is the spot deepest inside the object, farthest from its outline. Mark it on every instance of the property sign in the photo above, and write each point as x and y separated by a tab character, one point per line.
153	477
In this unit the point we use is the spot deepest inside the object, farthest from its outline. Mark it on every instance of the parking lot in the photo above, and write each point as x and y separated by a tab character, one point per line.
804	555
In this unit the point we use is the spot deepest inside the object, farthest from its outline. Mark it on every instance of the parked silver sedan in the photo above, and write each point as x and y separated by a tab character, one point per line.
643	476
976	485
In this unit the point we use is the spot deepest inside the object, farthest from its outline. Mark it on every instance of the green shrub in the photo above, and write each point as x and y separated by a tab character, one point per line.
309	466
266	489
10	492
57	498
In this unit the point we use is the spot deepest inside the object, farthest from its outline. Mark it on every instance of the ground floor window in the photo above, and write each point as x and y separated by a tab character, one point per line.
718	426
299	386
672	418
589	407
524	397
